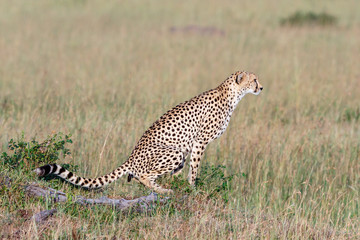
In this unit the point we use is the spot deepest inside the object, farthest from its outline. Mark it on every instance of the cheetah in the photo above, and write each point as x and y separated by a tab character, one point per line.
185	129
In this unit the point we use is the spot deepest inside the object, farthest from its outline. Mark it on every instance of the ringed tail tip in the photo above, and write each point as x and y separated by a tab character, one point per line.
40	172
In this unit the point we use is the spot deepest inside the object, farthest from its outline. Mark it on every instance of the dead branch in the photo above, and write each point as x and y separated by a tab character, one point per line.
43	215
5	181
141	204
49	193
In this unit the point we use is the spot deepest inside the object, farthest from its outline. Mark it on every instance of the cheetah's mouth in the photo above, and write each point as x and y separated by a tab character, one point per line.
257	87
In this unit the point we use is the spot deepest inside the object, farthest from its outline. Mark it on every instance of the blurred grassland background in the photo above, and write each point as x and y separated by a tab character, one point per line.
104	71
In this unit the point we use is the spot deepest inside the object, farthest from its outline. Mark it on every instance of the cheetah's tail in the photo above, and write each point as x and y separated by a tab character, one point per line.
80	181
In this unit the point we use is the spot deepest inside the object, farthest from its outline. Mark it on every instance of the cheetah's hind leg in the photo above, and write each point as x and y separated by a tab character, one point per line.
165	160
179	169
149	181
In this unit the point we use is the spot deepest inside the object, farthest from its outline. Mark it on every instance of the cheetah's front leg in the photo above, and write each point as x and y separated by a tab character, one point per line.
196	154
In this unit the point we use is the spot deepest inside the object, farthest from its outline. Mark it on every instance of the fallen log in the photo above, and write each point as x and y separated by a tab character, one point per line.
141	204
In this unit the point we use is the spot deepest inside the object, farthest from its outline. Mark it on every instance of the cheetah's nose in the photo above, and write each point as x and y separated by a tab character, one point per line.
261	88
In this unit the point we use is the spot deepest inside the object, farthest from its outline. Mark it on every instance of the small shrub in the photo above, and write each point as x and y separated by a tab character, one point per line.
351	114
180	184
28	155
309	18
213	182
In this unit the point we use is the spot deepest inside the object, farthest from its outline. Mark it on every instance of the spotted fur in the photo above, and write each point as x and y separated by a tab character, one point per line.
185	129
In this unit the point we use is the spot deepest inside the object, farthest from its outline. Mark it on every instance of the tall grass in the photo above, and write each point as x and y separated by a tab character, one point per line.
104	71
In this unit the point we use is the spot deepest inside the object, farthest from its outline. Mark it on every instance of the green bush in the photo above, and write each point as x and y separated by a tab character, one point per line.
309	18
351	114
211	183
28	155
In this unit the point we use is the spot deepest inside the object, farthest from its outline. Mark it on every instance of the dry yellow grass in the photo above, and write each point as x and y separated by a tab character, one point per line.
107	70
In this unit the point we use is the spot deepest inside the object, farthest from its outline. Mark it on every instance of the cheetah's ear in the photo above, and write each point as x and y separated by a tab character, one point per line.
239	78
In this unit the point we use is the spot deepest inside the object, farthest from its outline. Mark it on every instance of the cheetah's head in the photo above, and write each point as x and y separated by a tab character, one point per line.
247	83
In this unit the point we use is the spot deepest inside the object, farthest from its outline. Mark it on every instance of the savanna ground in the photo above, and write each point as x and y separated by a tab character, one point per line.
105	70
